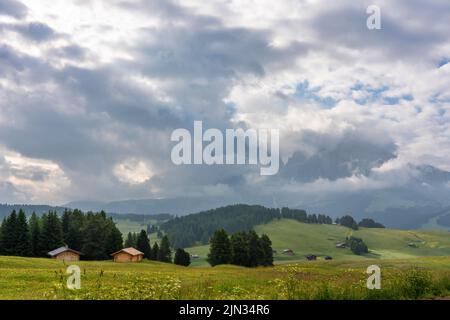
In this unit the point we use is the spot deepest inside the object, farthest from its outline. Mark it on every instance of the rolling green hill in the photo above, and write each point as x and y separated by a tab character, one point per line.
321	240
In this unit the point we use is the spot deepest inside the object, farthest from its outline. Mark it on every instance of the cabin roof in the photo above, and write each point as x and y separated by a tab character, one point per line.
61	250
132	251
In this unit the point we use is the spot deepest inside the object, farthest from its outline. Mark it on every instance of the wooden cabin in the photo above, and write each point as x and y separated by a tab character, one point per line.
65	254
288	252
341	245
128	255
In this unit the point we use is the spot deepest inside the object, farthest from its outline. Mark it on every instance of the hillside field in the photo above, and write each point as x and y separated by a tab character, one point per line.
38	278
321	240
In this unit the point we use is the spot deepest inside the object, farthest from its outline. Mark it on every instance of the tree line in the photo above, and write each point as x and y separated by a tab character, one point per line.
349	222
94	234
198	228
241	248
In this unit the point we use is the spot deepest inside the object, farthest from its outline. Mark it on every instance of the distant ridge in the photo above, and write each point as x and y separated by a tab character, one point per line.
5	209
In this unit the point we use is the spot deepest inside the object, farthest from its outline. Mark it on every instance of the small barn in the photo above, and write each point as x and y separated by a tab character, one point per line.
341	245
65	254
128	255
288	252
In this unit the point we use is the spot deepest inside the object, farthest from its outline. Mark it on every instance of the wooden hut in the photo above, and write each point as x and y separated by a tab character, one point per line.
128	255
65	253
288	252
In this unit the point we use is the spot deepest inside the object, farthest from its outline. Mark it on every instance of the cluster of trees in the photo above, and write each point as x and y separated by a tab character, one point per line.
242	249
370	223
357	245
158	252
141	241
302	216
349	222
198	228
94	234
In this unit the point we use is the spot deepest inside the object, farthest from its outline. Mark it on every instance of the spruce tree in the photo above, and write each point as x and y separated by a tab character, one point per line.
35	234
255	253
115	241
95	233
2	227
143	244
73	234
52	233
10	235
239	249
266	246
23	245
129	242
220	248
182	258
165	254
155	251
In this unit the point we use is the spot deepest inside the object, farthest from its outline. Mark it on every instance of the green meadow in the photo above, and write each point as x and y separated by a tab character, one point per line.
321	240
414	265
38	278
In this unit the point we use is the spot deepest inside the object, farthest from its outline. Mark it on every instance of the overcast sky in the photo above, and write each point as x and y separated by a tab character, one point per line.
90	92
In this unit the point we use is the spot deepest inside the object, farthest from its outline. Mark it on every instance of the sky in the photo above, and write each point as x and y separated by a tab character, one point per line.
90	92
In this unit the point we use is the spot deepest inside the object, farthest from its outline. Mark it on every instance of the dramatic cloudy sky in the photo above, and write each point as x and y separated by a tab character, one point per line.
91	90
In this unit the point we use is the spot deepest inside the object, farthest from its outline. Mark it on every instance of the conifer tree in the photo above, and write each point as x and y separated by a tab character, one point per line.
10	234
266	246
143	244
129	242
164	253
220	248
35	234
52	233
23	244
182	258
155	251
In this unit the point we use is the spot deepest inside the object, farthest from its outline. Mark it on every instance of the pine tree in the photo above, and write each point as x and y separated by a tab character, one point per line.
220	248
52	233
143	244
2	227
129	242
155	251
73	232
165	254
115	241
266	246
10	234
182	258
239	249
23	245
35	234
255	253
95	234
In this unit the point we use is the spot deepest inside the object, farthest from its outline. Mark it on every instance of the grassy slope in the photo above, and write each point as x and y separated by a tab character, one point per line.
36	278
321	239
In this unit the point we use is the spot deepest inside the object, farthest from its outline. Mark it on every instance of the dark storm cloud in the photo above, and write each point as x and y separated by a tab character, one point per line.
89	116
13	8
